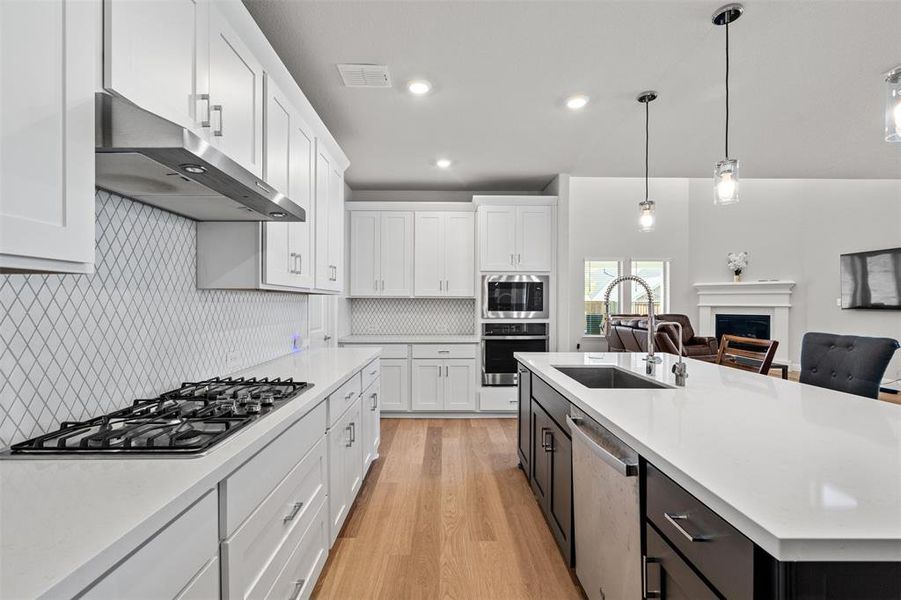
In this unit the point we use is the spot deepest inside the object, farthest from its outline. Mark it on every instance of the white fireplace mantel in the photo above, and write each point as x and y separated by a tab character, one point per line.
771	298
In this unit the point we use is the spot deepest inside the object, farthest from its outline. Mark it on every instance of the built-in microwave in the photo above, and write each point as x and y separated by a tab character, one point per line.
515	296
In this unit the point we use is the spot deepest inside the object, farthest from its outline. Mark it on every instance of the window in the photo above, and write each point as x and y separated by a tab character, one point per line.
598	275
600	272
656	273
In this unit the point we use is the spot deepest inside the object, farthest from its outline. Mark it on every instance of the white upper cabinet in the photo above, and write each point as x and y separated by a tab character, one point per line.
497	238
236	93
381	253
516	238
329	210
156	55
445	254
288	157
47	69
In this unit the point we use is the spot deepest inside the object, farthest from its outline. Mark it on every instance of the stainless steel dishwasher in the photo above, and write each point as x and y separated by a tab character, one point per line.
606	508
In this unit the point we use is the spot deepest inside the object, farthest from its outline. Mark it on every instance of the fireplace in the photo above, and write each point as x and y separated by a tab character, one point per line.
751	326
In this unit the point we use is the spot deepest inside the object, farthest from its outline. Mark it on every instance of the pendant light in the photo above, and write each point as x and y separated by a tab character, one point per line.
725	174
646	208
893	105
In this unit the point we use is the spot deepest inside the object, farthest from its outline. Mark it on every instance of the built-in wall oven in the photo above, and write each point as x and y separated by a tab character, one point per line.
515	296
500	341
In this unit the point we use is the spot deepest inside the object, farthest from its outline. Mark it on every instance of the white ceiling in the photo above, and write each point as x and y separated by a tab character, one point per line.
807	91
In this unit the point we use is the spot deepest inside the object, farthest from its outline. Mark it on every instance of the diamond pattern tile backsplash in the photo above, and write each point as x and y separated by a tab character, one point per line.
76	346
413	316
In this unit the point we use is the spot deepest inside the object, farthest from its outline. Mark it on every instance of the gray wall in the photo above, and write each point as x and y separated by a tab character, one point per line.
76	346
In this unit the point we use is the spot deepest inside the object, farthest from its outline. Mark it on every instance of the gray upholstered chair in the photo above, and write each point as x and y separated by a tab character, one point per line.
847	363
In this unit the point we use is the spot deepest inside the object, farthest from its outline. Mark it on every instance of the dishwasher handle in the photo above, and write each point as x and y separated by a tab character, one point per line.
627	469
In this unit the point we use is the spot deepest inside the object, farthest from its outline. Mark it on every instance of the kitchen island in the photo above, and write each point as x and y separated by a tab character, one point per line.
809	476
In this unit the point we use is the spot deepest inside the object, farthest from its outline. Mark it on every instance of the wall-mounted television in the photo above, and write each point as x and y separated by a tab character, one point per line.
872	279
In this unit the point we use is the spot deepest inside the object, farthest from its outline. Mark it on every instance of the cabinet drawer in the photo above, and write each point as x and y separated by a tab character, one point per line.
719	551
181	550
342	398
388	350
301	570
667	575
550	400
370	373
502	399
290	506
244	489
444	351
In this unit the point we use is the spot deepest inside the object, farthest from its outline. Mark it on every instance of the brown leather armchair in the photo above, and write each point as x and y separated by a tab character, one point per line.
629	333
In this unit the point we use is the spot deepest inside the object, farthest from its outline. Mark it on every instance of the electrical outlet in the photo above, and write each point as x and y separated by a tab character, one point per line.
296	342
838	302
232	360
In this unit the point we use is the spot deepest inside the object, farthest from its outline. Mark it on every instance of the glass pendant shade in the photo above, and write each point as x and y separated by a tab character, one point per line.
647	217
726	182
893	106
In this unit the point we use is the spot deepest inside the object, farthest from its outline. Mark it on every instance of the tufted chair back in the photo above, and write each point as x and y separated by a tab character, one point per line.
847	363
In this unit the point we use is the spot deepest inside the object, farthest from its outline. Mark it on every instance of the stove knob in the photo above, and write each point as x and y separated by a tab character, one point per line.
267	398
253	407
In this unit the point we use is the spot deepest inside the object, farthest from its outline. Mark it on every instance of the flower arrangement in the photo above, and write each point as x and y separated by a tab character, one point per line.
738	262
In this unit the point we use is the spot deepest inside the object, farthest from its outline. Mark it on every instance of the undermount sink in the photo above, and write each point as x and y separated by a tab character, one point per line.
609	377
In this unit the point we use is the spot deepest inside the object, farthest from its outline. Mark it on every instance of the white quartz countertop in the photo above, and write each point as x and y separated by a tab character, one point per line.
409	339
808	474
64	522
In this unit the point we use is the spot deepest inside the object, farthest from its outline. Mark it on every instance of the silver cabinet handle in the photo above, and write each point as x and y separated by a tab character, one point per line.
383	285
444	352
295	508
217	108
446	371
647	592
376	285
374	372
629	469
514	401
205	98
326	337
440	285
348	395
549	446
447	285
298	587
375	402
350	441
439	370
519	259
353	433
674	521
293	259
511	260
300	263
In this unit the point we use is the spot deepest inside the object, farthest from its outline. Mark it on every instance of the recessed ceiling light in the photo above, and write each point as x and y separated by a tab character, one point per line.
443	163
419	87
576	102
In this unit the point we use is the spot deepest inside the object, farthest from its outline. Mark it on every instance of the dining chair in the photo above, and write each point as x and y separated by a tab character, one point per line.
847	363
748	354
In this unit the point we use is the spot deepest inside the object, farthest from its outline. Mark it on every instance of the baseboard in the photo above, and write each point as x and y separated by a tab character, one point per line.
448	415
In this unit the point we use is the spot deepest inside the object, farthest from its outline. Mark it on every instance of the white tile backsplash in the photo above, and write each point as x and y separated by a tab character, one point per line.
412	316
76	346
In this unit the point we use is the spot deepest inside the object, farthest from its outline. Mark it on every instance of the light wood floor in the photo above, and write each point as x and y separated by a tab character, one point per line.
446	513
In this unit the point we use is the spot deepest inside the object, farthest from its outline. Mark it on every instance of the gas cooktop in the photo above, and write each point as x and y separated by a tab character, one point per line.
186	421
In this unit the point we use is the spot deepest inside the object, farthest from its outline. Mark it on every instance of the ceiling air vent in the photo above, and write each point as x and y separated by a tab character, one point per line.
370	76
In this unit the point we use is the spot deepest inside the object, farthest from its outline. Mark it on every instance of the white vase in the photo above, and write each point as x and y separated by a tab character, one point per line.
736	278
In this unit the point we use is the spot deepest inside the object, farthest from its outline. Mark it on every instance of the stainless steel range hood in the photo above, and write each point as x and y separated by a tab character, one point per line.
157	162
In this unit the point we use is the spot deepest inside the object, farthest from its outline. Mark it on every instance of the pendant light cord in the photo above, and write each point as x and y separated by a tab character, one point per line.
647	137
727	89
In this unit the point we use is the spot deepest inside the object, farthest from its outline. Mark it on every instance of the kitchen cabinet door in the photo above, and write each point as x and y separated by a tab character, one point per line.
542	426
458	242
396	253
302	187
533	243
394	385
353	465
47	135
430	255
497	238
339	498
428	384
278	261
324	268
336	227
371	424
559	500
154	55
524	425
459	385
668	575
236	94
365	275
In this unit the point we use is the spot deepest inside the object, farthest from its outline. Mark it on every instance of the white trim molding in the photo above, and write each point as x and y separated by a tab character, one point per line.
771	298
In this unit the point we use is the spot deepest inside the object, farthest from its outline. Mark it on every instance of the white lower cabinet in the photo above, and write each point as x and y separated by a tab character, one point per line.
183	550
444	384
371	415
301	571
345	456
395	385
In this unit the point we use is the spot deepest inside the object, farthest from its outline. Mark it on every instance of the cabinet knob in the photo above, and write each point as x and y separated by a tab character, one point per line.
218	109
